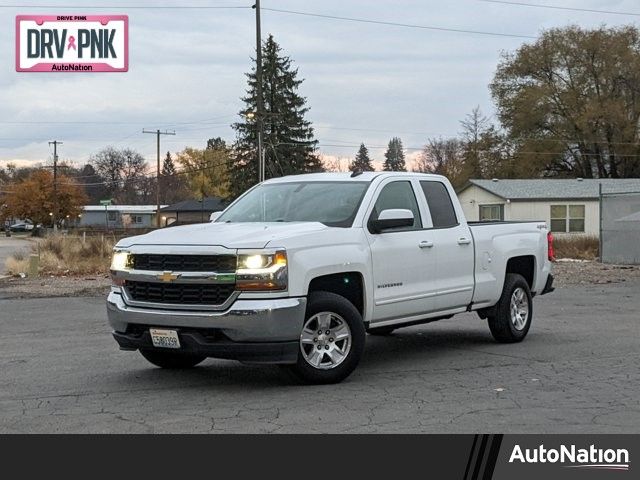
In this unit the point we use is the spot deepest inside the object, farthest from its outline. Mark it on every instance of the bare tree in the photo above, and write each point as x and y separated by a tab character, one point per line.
444	157
124	173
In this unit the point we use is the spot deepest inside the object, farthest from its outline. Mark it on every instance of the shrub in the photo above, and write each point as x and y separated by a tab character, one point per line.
17	263
62	255
581	247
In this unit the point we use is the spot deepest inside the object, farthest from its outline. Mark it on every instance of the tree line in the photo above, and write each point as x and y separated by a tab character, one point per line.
567	105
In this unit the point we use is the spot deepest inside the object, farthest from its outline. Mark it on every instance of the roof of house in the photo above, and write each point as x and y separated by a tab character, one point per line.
211	204
549	188
121	208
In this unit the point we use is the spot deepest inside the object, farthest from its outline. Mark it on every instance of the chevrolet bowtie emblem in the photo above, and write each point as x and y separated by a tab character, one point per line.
168	276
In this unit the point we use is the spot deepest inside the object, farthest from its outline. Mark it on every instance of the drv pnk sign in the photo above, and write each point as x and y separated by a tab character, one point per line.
72	43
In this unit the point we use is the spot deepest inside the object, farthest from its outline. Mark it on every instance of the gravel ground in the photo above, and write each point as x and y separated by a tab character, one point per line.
566	272
584	272
42	287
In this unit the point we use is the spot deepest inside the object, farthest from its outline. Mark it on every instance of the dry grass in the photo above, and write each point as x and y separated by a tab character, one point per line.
67	255
17	263
582	247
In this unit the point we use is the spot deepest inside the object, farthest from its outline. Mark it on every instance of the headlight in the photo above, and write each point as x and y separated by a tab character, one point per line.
262	271
120	261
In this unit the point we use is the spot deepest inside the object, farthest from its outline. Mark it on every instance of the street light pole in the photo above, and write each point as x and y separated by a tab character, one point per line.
259	99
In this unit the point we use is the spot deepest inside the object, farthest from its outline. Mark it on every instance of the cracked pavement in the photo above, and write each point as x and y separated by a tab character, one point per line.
577	372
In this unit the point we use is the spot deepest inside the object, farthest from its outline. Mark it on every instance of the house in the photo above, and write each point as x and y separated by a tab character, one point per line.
118	216
191	211
567	205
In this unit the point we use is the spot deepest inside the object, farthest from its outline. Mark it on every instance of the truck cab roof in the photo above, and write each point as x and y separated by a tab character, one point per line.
347	177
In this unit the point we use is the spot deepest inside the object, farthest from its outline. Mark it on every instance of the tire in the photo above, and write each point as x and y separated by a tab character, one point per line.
513	312
381	331
325	358
171	360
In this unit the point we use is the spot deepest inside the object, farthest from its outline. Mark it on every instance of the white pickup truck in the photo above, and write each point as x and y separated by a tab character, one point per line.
298	269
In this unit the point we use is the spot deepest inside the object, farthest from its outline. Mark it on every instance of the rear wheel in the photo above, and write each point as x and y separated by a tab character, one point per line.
331	341
513	312
172	360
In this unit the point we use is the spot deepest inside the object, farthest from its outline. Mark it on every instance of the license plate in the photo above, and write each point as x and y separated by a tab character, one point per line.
164	338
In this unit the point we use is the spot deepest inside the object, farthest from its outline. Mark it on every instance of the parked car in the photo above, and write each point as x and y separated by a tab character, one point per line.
21	227
298	269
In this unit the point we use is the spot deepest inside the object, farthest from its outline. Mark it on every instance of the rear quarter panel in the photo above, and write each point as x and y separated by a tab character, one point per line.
495	244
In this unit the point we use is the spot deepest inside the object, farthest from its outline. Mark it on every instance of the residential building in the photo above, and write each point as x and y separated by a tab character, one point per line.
191	211
118	216
568	206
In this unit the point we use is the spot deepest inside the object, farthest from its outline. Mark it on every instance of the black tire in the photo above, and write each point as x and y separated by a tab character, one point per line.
172	360
330	302
501	325
381	331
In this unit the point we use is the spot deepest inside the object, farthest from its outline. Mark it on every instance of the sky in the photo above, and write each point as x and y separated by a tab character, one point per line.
364	82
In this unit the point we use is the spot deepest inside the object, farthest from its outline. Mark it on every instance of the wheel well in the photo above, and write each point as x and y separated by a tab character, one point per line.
524	266
346	284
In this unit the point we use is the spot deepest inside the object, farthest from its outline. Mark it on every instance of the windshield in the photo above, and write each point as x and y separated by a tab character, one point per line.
333	203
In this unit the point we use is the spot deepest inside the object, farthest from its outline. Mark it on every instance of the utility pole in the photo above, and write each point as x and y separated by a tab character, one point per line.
55	144
157	133
259	99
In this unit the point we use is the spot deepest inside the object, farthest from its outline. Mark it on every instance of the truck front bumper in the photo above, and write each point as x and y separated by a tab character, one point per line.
258	331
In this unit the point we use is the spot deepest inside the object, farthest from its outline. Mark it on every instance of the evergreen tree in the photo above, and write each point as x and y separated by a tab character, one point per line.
362	162
168	167
172	184
289	144
394	157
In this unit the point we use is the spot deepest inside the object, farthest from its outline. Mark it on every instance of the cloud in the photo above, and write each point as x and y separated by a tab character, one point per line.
363	82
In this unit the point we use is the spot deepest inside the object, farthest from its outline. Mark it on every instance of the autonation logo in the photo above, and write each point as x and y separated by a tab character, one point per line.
573	457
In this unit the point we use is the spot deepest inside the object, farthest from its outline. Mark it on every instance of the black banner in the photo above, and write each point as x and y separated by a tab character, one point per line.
460	457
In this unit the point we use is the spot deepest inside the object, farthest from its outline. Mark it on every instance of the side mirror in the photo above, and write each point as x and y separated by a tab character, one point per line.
214	216
392	218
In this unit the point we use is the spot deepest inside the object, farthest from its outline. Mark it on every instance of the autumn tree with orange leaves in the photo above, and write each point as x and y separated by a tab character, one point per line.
33	198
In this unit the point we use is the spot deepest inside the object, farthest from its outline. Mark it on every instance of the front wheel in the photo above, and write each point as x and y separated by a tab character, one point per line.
331	341
171	360
513	312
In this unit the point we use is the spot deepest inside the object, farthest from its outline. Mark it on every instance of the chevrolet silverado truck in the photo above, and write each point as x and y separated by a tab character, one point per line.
298	269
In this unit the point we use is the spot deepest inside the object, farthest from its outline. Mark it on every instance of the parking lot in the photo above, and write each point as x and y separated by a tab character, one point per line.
577	371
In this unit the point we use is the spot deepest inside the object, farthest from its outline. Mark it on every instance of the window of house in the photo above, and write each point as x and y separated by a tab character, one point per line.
111	216
491	213
136	219
567	218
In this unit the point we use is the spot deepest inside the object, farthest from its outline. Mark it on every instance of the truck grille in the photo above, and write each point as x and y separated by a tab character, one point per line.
184	263
179	293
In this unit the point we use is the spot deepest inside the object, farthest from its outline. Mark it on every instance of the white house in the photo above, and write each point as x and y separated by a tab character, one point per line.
118	216
567	205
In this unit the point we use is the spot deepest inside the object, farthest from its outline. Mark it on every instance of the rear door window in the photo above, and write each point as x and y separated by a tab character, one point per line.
443	215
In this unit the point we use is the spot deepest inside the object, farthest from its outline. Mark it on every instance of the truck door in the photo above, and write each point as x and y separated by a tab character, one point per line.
452	246
403	269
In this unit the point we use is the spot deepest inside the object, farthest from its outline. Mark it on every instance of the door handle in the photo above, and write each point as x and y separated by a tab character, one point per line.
425	244
464	241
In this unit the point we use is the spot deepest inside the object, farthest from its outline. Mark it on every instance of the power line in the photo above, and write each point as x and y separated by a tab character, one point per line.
137	7
559	7
396	24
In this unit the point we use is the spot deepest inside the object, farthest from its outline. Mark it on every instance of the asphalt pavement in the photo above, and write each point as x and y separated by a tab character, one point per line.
577	371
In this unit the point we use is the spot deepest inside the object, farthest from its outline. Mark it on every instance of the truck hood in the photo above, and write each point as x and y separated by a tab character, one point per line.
228	235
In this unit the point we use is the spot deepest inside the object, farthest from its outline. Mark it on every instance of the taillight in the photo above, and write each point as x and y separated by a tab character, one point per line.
550	251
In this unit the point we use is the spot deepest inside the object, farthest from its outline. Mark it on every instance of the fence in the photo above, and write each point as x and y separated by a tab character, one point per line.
620	228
